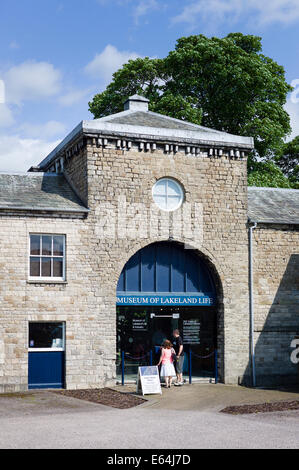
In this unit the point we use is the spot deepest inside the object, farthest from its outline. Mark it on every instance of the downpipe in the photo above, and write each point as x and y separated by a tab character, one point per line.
252	226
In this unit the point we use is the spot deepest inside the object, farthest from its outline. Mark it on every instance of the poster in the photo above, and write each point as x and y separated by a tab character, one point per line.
191	331
139	324
149	380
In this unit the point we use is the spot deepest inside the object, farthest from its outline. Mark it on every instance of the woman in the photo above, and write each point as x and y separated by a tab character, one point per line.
167	369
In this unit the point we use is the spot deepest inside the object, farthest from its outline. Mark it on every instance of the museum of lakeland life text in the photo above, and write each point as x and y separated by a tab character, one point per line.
166	300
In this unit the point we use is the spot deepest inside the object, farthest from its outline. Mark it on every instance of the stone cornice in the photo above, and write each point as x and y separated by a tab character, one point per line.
140	142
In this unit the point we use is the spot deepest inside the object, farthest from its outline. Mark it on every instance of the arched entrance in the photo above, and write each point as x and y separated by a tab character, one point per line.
162	287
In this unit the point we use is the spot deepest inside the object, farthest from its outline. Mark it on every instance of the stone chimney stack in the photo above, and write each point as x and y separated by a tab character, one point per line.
136	103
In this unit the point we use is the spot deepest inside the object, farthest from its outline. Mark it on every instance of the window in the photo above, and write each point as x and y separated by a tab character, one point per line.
47	257
168	194
46	336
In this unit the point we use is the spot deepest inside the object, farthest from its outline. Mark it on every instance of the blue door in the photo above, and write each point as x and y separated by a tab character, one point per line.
46	356
46	369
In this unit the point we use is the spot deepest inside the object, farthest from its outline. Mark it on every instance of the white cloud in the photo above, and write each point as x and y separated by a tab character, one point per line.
47	130
17	154
143	7
295	93
2	91
73	97
107	62
293	109
31	81
139	7
6	117
231	11
14	45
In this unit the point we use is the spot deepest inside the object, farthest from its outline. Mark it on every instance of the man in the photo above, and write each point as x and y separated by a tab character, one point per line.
179	351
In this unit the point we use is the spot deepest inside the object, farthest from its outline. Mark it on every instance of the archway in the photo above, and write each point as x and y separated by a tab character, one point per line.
164	286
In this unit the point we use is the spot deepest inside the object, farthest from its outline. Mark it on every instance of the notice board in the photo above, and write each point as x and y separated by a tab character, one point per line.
149	380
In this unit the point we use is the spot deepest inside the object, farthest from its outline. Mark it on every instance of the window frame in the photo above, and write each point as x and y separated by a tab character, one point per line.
47	278
47	349
181	190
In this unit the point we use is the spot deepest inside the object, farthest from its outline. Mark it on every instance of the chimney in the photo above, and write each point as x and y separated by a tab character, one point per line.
136	103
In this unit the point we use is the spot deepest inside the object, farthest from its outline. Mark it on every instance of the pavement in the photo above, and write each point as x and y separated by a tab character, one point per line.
44	419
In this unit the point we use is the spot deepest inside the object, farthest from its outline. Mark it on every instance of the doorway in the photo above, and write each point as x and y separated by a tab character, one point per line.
46	355
142	330
163	287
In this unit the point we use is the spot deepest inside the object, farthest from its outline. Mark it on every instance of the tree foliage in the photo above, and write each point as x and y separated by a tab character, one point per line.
267	173
288	160
223	83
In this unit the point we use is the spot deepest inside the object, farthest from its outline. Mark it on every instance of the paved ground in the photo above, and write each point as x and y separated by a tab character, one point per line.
48	420
212	397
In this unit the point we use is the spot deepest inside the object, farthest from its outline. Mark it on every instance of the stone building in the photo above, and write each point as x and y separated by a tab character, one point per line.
136	224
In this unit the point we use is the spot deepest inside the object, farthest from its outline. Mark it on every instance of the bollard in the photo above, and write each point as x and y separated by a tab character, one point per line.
216	366
190	366
123	367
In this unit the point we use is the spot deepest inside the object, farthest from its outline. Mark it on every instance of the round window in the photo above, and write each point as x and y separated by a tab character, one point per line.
168	194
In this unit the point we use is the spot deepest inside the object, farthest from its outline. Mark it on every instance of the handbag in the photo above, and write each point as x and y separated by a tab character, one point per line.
173	355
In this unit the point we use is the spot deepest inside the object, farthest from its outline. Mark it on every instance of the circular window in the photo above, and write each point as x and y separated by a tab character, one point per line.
168	194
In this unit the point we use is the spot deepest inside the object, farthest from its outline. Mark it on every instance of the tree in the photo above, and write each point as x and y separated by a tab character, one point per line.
266	173
223	83
288	160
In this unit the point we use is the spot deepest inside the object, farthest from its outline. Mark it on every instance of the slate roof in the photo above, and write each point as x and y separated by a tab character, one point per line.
138	121
51	192
273	205
150	119
38	192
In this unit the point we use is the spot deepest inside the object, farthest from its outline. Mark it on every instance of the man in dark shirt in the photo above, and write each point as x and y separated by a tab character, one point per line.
179	351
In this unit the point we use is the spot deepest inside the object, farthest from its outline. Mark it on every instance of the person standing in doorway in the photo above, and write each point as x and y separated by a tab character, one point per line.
167	369
179	351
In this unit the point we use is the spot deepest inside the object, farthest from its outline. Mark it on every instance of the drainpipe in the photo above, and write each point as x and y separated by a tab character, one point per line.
252	226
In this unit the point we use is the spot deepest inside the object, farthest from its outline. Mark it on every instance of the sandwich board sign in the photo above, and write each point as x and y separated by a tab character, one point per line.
149	380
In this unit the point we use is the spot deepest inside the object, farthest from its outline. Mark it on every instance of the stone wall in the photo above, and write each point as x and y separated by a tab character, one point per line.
23	301
75	171
120	181
276	301
216	194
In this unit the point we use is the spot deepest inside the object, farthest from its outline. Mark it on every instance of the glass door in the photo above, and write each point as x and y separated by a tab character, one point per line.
133	341
162	325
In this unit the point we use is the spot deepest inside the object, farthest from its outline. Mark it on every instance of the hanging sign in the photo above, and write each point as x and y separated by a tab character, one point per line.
149	380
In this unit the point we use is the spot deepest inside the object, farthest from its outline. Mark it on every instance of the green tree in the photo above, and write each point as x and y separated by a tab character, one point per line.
288	160
223	83
266	173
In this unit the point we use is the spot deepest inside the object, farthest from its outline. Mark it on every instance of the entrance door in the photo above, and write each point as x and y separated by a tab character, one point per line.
142	330
46	355
162	327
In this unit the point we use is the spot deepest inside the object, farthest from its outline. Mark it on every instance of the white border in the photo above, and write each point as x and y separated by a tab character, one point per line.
166	178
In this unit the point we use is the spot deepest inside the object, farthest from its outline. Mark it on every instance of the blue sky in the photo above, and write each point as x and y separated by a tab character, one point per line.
55	55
